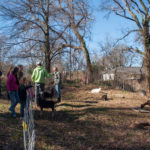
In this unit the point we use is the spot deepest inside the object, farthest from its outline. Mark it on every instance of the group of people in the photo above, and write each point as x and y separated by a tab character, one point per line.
18	87
40	74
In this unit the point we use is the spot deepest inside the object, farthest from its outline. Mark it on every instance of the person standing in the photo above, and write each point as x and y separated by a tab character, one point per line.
8	73
23	95
30	91
10	70
12	88
57	83
20	72
38	77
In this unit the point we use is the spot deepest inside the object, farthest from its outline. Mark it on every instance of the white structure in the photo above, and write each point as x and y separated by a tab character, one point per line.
96	90
123	73
108	77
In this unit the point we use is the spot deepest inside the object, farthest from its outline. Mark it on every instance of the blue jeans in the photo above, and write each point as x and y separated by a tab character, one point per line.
57	87
14	97
22	107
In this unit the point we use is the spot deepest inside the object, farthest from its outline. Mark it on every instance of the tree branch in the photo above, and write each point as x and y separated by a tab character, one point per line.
131	49
127	34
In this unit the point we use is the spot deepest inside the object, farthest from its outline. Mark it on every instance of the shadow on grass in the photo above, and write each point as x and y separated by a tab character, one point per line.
71	105
74	130
125	112
11	135
72	115
69	132
83	101
143	126
90	102
59	116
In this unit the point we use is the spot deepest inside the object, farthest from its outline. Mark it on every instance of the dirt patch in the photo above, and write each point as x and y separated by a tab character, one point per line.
83	121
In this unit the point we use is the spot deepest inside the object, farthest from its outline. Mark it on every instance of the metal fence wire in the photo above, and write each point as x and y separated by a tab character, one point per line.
28	125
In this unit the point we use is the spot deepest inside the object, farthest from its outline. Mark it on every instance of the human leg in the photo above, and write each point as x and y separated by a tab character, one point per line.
42	87
22	107
12	99
57	87
41	90
16	98
36	92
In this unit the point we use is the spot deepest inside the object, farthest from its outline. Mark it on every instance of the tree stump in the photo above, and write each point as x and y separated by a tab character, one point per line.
147	103
104	97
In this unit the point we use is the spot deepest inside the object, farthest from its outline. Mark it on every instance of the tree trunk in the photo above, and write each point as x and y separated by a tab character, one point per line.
147	72
88	62
47	47
47	41
146	42
47	53
86	54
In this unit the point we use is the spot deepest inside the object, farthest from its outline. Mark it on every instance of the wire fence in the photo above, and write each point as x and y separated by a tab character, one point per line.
28	125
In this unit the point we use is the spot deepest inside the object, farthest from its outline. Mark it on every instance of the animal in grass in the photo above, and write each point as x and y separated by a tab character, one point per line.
42	101
146	103
104	97
95	90
49	95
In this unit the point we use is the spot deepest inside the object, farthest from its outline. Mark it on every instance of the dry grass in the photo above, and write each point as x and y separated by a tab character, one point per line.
84	122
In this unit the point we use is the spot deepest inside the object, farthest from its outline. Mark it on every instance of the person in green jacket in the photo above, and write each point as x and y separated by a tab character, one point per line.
38	77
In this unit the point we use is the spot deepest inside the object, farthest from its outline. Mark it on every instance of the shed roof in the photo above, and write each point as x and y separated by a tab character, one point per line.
129	70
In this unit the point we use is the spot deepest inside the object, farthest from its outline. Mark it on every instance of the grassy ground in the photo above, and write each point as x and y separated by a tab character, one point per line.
83	122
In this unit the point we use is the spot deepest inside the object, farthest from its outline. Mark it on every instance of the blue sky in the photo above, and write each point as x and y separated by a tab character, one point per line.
112	26
102	27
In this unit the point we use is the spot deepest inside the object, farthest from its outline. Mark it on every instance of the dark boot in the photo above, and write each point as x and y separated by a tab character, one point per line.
59	100
142	106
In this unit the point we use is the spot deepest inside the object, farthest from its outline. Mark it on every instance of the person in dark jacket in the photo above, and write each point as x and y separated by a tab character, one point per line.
8	73
23	95
20	72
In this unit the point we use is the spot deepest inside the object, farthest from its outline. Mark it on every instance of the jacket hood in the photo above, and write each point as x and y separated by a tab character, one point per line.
39	68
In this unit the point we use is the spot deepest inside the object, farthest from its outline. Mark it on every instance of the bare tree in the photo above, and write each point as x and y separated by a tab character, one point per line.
3	50
77	14
137	11
34	25
116	55
39	28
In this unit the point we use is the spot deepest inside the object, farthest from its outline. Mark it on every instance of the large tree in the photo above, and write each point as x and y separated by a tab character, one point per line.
138	12
77	14
43	26
34	28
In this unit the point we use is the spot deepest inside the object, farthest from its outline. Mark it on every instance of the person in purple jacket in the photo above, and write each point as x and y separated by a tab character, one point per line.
12	88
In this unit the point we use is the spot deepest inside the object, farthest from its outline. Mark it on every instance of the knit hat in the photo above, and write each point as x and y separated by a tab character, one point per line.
39	63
